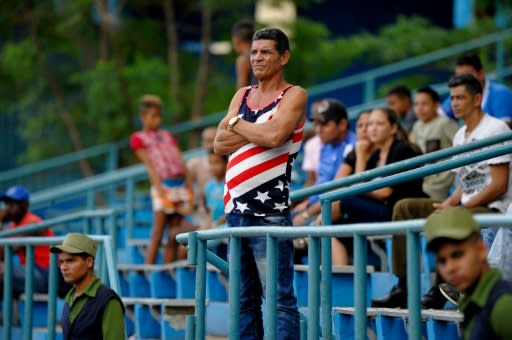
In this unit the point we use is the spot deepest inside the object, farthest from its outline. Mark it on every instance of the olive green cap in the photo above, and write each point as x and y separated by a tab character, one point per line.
453	223
76	243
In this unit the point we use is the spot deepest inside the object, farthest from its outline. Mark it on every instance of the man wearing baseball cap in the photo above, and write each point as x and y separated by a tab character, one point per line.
17	214
461	257
92	310
332	126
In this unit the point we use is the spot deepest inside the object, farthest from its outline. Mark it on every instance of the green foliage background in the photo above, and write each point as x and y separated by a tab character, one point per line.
51	63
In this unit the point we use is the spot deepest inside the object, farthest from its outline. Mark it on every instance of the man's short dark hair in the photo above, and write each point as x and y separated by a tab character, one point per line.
243	30
282	43
470	59
433	94
470	83
400	91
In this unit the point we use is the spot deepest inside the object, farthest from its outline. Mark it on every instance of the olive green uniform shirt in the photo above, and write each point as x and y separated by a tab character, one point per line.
500	319
113	319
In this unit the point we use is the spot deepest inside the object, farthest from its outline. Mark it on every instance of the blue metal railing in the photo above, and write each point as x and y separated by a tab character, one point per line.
110	152
105	254
319	243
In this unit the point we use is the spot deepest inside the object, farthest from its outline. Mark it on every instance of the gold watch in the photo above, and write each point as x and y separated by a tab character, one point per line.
232	122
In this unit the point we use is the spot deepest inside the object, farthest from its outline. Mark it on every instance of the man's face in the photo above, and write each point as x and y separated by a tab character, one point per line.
424	107
464	103
398	104
266	60
462	264
15	210
74	268
330	132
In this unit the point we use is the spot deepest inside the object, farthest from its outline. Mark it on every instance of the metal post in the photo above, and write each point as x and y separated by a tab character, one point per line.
189	327
313	288
200	289
7	303
108	250
369	89
29	291
413	285
360	286
326	273
234	287
91	204
326	294
130	197
271	288
52	296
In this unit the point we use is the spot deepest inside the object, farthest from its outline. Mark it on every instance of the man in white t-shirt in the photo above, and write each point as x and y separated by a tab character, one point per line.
483	187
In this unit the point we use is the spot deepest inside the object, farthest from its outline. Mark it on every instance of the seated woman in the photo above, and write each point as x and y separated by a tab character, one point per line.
389	144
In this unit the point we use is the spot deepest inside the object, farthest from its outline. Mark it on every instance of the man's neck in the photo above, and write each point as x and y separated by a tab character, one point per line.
473	120
82	284
273	84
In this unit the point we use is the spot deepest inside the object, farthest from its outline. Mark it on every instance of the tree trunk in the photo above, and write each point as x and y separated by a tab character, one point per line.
67	118
202	74
106	21
172	55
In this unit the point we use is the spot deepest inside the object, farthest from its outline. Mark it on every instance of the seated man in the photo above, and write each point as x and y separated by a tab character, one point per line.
432	132
461	258
17	213
332	126
483	187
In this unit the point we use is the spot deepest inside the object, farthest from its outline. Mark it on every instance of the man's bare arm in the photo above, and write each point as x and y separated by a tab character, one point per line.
276	131
228	141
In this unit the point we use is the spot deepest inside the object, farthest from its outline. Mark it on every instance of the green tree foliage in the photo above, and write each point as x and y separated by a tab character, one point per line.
74	70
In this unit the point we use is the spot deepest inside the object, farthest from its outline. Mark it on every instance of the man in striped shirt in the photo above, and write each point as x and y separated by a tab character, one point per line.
262	133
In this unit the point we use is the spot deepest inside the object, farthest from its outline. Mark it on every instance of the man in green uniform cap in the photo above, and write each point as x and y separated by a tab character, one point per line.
92	310
461	257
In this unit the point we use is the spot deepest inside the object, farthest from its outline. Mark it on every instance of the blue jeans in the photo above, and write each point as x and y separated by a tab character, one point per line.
253	280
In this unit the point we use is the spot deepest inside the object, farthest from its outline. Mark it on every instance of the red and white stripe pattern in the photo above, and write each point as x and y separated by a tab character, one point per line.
257	178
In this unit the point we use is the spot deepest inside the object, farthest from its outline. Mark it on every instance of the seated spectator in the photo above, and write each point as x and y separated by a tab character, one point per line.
171	190
461	259
309	159
483	187
18	215
214	195
432	132
332	124
383	130
496	97
399	100
199	173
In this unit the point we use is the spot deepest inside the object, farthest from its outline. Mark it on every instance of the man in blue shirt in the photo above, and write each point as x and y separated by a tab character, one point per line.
331	122
496	98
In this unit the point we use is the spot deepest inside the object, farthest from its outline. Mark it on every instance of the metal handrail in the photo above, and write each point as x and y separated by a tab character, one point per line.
198	253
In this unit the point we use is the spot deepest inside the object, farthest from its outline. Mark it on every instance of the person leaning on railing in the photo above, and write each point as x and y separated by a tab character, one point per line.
17	202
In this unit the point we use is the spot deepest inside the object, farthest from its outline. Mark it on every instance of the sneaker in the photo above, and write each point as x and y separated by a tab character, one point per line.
433	299
397	297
